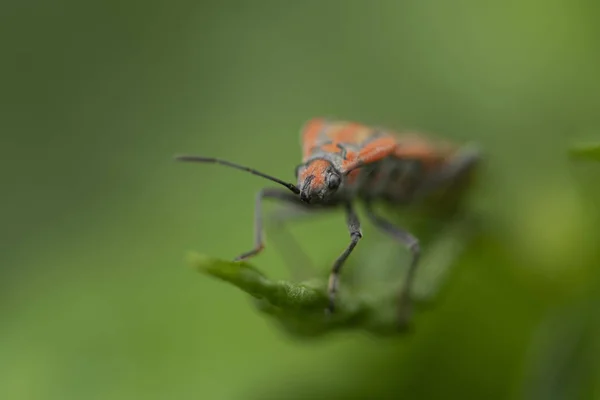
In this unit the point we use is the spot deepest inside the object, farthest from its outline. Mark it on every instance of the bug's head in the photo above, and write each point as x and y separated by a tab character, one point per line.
317	181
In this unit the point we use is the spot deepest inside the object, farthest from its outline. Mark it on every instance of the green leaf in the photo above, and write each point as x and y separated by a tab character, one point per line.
587	151
299	308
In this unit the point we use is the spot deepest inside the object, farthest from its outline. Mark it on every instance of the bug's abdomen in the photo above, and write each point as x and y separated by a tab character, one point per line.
444	179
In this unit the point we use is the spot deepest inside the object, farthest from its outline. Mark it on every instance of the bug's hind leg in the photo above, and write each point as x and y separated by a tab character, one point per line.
412	243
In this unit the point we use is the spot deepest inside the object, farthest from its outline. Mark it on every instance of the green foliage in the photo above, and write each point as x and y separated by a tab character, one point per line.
586	151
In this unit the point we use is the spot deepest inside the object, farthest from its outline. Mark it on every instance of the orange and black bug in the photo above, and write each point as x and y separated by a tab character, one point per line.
346	162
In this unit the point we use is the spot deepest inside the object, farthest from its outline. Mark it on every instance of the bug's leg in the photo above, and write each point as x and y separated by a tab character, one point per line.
267	193
355	235
412	243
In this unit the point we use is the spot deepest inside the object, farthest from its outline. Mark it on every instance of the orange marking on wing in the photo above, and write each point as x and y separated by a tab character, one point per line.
310	134
350	133
372	152
360	134
343	133
420	148
351	156
330	148
346	133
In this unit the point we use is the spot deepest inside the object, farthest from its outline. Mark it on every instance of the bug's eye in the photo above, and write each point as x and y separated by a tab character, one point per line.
334	181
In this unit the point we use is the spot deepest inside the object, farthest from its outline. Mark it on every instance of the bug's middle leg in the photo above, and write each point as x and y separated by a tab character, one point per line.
412	243
355	235
267	193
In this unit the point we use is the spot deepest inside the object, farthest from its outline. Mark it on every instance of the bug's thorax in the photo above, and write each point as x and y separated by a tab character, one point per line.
318	181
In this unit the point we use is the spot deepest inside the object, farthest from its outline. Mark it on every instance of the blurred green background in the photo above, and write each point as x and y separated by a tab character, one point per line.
97	301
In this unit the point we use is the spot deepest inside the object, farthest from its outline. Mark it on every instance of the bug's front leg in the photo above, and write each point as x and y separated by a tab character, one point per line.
267	193
355	235
412	243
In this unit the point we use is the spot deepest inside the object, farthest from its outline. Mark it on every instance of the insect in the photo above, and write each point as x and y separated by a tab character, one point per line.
344	163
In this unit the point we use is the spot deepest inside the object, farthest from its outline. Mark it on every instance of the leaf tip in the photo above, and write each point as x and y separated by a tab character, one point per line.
198	261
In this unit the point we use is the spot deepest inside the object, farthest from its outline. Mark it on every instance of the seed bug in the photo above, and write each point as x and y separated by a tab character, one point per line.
347	162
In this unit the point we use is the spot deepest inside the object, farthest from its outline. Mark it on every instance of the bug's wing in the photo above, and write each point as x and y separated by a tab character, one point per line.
419	147
321	135
349	143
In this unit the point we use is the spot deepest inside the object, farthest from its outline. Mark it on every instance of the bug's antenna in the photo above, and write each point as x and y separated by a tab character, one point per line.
211	160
